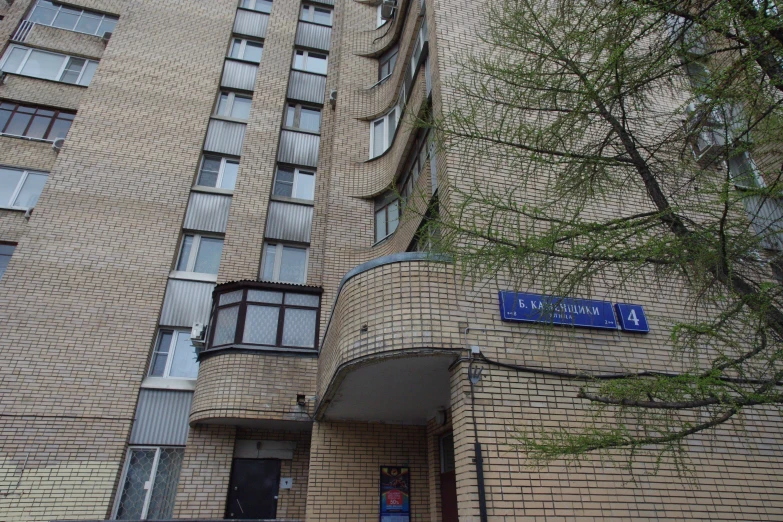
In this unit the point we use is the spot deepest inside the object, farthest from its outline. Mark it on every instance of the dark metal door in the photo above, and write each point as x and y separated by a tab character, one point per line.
253	488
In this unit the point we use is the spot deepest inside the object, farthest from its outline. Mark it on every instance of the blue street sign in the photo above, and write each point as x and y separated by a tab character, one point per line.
536	308
632	318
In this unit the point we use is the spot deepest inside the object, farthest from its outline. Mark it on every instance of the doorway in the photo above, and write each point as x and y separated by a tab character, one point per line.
253	488
448	480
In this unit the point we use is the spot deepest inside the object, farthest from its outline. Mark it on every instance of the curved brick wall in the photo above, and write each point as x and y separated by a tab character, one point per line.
402	306
250	386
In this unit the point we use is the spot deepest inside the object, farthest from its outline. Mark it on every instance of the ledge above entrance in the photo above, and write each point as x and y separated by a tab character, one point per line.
393	332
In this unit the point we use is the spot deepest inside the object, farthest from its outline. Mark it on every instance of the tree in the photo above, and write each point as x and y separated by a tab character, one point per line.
591	102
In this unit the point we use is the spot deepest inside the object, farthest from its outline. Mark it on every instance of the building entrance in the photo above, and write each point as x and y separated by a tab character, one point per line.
448	480
253	488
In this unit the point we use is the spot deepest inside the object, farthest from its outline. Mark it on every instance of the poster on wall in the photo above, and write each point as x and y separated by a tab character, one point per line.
395	494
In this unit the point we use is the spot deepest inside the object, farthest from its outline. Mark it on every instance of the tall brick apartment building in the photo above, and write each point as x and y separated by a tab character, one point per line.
239	165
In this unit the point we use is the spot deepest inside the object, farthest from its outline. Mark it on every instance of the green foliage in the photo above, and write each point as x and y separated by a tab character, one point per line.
593	109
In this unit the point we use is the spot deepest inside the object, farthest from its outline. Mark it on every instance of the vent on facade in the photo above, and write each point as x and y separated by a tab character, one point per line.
387	9
57	144
198	335
333	98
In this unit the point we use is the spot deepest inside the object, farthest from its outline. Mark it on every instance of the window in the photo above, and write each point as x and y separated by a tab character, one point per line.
218	172
302	117
71	19
284	263
387	62
174	356
149	483
6	251
242	49
387	217
317	15
382	132
231	105
265	316
744	172
19	188
34	122
264	6
200	254
310	62
48	66
295	183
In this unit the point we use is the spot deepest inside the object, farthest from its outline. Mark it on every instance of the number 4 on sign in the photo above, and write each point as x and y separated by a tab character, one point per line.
632	318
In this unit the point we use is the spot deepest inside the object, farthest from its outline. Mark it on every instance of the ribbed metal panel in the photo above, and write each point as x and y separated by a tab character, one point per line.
225	137
307	87
251	23
207	212
766	214
299	148
239	75
314	36
162	418
289	222
325	2
186	302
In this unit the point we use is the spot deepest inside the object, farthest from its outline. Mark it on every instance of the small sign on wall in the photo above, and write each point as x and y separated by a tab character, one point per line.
395	494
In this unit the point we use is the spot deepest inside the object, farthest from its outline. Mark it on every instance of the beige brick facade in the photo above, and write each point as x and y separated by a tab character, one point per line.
84	296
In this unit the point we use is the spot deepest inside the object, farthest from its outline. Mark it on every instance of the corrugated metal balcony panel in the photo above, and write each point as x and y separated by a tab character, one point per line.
225	137
289	222
239	75
207	212
251	23
314	36
186	302
299	148
306	87
766	214
325	2
162	417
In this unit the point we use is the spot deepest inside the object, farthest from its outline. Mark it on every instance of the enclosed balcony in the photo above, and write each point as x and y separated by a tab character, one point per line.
392	335
260	354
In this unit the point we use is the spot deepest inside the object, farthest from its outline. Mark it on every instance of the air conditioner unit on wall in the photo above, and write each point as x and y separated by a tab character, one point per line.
708	146
198	335
387	9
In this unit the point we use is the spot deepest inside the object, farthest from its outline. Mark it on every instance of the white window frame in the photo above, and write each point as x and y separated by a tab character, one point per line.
385	209
254	4
305	55
297	175
388	137
221	170
307	14
12	246
20	185
59	7
170	355
385	58
66	59
298	107
243	47
232	96
152	477
190	266
279	261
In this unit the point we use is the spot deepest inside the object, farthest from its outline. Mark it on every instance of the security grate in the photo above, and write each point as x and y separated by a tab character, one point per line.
149	484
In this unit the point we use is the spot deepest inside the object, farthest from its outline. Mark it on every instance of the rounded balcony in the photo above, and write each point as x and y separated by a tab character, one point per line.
392	335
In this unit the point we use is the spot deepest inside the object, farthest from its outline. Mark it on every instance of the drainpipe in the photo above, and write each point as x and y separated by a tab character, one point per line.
474	377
